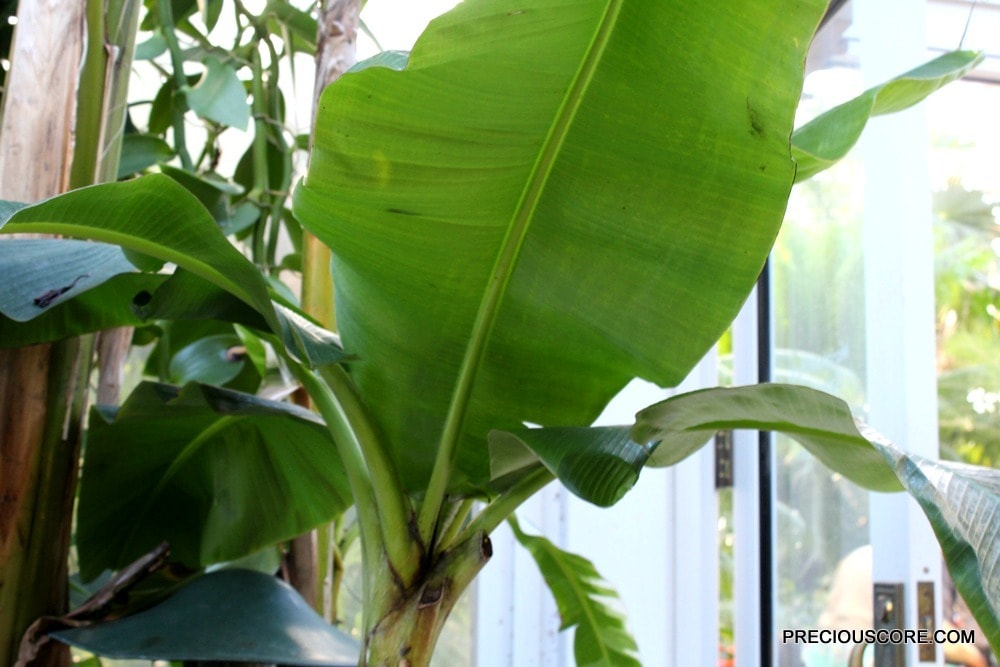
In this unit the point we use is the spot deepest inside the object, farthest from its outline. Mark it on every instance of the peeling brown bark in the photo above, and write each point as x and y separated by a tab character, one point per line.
23	392
37	482
40	100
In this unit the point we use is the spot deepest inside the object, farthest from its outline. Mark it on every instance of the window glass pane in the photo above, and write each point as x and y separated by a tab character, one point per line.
818	340
964	147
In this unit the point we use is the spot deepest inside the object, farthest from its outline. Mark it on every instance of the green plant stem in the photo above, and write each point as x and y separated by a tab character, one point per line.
277	192
411	625
457	521
104	74
180	82
346	441
395	512
504	505
324	563
261	177
383	511
90	108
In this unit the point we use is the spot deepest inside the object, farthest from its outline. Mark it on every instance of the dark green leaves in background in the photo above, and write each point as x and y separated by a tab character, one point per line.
229	615
216	473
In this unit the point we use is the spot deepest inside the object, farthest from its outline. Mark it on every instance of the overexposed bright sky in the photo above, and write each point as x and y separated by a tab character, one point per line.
397	24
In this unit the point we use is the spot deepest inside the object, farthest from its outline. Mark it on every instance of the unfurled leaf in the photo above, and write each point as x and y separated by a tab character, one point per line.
213	192
533	210
188	296
822	142
216	473
251	617
155	217
599	464
822	423
583	598
151	47
961	501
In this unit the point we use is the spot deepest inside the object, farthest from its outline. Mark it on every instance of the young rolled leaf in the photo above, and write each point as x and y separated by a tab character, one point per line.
961	501
600	465
216	473
601	638
533	209
825	140
307	340
822	423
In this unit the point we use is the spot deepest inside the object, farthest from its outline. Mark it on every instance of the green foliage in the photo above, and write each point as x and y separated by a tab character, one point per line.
681	425
252	617
520	226
547	210
826	139
216	473
601	638
213	81
54	272
154	220
599	465
220	96
152	216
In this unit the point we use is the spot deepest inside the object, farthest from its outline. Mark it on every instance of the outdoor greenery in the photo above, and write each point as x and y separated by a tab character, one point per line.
535	206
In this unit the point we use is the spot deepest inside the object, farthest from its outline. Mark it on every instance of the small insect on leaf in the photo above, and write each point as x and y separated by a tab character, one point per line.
45	300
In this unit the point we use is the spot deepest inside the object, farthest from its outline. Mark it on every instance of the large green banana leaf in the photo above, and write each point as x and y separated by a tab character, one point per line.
550	199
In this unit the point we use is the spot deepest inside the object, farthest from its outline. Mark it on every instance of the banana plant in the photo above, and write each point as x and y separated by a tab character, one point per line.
537	204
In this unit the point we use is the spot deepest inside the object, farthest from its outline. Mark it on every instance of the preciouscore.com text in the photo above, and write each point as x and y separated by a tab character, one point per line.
882	636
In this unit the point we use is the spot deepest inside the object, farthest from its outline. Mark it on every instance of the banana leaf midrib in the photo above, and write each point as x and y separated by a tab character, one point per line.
508	253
